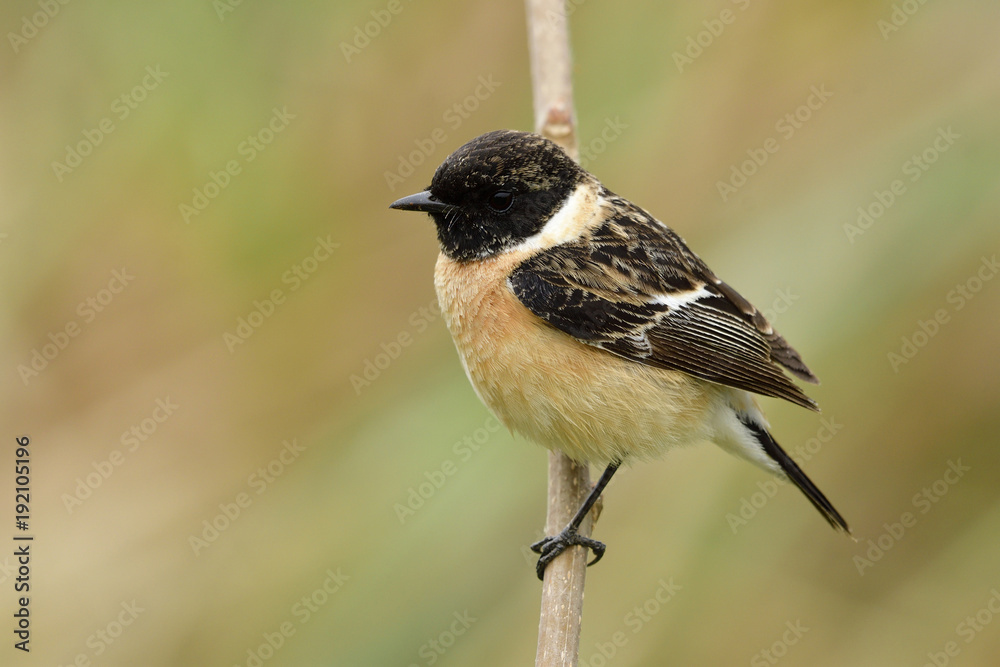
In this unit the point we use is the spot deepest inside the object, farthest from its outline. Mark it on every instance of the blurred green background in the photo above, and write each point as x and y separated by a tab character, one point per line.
316	483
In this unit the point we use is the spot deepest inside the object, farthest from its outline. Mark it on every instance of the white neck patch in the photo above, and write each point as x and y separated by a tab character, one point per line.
573	218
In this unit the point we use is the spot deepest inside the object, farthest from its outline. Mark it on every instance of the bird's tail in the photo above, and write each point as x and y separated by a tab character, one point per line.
794	473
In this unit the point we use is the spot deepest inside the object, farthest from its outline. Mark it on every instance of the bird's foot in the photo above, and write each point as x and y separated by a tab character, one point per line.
551	547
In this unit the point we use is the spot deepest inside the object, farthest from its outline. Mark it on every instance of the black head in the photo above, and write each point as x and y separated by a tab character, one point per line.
495	191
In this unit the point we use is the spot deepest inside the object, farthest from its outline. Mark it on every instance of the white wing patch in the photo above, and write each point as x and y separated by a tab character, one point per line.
678	300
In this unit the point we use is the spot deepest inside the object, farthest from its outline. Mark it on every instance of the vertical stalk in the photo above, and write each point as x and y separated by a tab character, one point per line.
562	590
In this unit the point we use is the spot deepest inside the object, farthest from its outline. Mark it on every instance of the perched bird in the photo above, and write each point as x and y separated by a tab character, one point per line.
588	326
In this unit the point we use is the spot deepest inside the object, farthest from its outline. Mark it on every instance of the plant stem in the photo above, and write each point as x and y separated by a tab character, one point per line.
569	483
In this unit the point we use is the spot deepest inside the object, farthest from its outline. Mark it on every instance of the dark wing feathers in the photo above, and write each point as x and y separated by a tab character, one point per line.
781	351
633	288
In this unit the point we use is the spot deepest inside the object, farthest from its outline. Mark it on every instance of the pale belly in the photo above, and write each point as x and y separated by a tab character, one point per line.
556	391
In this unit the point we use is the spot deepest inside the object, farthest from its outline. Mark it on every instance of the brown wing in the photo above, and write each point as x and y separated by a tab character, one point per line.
633	288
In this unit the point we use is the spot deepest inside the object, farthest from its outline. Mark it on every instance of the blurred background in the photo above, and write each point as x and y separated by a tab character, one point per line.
252	440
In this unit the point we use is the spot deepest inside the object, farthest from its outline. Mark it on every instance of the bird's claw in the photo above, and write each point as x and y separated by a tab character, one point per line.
551	547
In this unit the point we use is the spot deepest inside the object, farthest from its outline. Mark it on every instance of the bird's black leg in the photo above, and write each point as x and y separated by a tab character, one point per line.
551	547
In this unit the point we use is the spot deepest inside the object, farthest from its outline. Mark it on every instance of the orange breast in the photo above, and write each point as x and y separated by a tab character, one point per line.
553	389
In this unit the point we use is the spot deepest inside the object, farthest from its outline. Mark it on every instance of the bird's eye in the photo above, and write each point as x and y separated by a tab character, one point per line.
501	200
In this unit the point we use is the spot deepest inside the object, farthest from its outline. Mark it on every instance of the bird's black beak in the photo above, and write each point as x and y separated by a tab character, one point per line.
422	201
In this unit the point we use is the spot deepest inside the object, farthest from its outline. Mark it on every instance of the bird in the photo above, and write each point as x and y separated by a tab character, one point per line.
588	326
